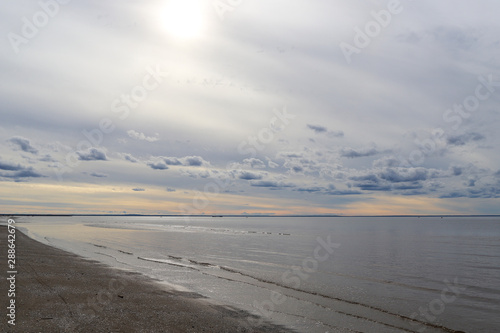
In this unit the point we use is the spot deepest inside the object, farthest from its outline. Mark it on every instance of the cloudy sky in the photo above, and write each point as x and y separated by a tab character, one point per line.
250	106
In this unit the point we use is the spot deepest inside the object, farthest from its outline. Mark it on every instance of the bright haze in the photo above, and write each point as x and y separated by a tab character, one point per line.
250	107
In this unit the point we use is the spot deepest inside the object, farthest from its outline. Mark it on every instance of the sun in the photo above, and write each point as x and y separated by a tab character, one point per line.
183	19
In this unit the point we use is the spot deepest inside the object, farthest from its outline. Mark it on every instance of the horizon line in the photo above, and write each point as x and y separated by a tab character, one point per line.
263	215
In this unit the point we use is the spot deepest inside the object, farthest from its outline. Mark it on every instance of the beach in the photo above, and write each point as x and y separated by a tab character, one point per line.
56	291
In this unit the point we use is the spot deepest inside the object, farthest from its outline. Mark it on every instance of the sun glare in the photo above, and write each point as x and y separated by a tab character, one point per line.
183	19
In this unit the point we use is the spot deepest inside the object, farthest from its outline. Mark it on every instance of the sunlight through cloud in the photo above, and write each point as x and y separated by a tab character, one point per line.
183	19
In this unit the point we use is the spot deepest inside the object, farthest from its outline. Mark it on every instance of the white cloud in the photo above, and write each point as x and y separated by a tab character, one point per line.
141	136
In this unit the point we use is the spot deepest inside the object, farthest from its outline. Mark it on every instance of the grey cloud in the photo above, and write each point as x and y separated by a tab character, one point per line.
17	171
397	175
47	158
92	154
454	38
290	155
10	167
185	161
386	161
497	174
329	190
450	38
170	189
23	144
162	162
463	139
265	183
456	170
352	153
311	189
411	37
172	161
196	173
413	192
374	187
411	186
160	165
272	164
484	192
302	165
27	173
247	175
270	183
343	192
397	179
317	128
335	134
194	161
98	175
130	158
370	178
454	194
138	189
254	163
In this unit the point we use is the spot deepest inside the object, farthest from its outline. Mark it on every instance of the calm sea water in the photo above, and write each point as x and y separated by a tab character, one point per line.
340	274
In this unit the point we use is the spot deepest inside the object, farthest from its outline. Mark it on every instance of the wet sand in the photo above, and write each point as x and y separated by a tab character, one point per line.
57	291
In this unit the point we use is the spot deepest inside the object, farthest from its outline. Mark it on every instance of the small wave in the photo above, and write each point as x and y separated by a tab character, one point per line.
206	264
110	256
183	228
371	307
174	257
169	262
179	262
231	270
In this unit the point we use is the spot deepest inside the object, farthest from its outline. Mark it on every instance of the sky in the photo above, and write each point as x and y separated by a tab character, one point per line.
250	107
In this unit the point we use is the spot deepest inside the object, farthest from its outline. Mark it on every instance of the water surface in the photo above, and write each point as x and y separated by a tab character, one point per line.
338	274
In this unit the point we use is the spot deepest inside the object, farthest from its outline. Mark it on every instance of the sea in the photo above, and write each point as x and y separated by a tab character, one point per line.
310	274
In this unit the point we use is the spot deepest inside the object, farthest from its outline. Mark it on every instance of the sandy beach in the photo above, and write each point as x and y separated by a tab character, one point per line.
56	291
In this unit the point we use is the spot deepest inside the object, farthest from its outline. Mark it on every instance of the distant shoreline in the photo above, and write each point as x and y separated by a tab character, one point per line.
259	215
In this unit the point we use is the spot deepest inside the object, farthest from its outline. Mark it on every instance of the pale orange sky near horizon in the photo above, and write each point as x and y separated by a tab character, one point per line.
88	199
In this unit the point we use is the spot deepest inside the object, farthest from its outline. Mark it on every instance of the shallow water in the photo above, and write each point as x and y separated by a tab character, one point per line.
339	274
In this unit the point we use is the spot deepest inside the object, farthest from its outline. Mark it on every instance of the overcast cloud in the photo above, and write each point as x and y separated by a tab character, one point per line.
272	106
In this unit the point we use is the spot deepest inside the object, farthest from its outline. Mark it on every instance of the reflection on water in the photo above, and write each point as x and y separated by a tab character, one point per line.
384	271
